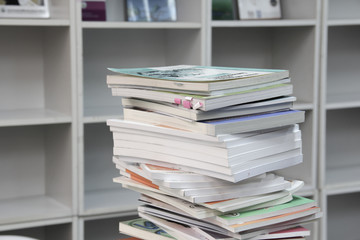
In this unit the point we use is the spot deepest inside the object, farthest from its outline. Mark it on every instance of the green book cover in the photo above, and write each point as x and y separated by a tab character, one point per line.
223	10
146	225
297	201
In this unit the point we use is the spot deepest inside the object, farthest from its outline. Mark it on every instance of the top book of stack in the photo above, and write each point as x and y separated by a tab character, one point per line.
200	87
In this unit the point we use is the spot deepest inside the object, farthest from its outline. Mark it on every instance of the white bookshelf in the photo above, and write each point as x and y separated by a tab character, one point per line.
38	125
339	159
54	102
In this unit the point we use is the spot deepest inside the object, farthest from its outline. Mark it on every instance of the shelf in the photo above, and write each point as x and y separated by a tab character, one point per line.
110	200
35	171
264	48
149	47
343	100
35	22
53	229
343	22
102	113
343	180
10	118
343	216
106	229
343	85
31	209
342	148
35	71
264	23
141	25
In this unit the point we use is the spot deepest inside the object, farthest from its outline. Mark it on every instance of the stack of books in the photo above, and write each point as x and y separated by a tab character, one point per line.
200	144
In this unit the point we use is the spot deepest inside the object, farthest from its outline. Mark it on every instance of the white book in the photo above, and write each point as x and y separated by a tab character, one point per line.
207	103
119	125
237	149
174	110
219	126
225	146
202	93
244	171
203	210
195	78
246	153
139	155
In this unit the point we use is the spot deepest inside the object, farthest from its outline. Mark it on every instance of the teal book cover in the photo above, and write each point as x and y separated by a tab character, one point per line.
146	226
189	73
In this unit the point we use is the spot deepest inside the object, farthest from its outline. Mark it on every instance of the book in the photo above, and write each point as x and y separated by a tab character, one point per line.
219	126
232	174
174	110
213	93
143	229
150	11
217	145
224	10
211	224
297	203
210	209
121	126
194	78
204	102
259	9
174	227
296	232
93	10
236	156
229	149
191	232
24	9
250	187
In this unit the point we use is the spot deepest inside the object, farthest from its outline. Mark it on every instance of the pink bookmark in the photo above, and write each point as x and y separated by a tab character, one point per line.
177	101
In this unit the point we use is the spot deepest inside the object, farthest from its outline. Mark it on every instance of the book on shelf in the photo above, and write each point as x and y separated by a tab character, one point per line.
150	11
224	10
24	9
194	78
93	10
259	9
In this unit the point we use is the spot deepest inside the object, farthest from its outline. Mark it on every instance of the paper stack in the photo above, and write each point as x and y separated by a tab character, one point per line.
200	145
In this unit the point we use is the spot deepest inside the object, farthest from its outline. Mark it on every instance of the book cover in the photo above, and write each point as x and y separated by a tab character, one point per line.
224	10
243	216
140	227
93	10
193	73
24	9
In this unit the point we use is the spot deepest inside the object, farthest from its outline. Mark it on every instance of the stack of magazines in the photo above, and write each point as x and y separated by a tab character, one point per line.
201	143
